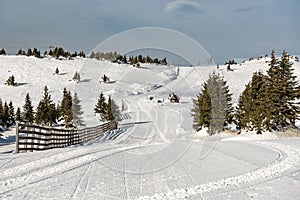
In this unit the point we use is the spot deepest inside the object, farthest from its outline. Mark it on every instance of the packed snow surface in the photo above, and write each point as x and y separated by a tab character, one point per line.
155	153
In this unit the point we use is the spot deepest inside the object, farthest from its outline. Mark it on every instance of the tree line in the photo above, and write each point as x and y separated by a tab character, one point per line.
133	60
55	52
268	102
47	113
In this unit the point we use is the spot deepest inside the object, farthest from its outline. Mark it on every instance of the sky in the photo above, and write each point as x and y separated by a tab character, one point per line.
226	29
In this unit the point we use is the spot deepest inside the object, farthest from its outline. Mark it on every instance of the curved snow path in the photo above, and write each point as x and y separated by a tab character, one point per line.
278	168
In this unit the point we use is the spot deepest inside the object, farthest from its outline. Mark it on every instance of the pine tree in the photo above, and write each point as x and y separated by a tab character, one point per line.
21	52
76	77
29	52
5	114
221	107
11	81
77	112
101	107
283	91
11	113
2	52
27	114
109	115
243	110
46	112
213	108
66	108
18	115
201	111
115	110
1	111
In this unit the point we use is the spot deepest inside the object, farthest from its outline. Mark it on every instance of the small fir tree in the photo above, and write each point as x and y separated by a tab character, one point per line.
101	107
27	114
66	108
77	112
18	115
46	112
11	113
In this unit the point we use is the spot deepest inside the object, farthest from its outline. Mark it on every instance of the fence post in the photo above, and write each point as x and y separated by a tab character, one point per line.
17	138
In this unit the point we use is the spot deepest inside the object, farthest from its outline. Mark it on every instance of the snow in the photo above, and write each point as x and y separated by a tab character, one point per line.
155	153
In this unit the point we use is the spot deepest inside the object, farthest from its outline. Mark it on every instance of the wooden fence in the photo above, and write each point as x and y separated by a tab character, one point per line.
32	137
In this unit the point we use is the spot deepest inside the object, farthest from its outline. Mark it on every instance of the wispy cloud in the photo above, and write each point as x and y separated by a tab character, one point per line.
239	10
186	6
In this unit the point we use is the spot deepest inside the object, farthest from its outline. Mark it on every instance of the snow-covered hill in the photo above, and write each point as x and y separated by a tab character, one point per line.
155	153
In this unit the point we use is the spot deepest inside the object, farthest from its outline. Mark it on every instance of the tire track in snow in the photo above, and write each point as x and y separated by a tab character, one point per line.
276	169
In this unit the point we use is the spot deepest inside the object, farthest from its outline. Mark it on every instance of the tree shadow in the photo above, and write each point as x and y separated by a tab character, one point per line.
85	80
133	123
20	84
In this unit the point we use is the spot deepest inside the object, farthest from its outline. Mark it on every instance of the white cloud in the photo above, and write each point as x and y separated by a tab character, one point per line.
183	5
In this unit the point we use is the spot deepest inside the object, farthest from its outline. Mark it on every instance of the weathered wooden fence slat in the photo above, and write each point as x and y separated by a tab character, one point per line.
38	138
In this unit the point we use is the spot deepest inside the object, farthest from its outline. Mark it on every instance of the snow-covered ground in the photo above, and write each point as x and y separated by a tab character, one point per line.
155	154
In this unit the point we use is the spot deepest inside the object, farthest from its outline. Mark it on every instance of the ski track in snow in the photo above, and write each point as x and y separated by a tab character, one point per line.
276	169
32	175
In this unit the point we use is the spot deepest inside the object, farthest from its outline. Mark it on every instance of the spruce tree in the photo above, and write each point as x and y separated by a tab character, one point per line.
201	111
283	91
5	114
2	52
115	110
18	115
27	114
46	112
109	115
243	111
11	113
66	108
1	110
213	108
77	112
221	107
76	77
101	107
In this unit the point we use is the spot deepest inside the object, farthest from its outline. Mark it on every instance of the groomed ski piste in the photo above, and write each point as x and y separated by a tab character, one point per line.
155	153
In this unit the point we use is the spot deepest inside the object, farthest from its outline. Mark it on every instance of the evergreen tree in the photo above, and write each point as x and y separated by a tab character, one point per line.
11	113
11	81
109	115
1	111
252	104
76	77
21	52
46	112
2	52
66	108
283	91
27	114
101	107
77	112
213	108
5	114
201	111
18	115
29	52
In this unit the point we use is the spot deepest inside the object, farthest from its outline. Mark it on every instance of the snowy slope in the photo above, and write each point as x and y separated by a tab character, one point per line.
155	154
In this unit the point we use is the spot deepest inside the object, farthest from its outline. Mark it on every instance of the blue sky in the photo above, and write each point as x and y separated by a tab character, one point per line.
225	28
